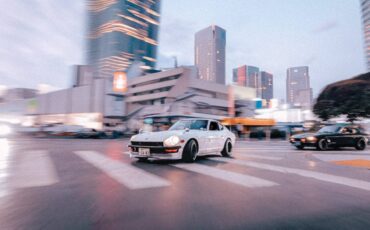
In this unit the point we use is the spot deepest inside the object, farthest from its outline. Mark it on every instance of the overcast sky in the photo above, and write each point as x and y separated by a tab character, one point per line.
44	38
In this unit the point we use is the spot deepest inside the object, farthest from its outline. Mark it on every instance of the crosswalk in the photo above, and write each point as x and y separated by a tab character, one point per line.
37	169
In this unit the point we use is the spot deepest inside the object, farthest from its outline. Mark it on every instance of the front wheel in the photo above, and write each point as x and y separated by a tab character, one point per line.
322	145
361	144
226	151
190	152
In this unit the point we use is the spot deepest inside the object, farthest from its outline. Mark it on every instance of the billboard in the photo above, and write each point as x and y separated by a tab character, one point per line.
120	82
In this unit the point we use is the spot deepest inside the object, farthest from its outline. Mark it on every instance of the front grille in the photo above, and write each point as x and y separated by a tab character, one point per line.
147	143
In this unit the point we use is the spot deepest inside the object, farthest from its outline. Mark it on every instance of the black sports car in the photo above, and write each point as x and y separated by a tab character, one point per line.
332	136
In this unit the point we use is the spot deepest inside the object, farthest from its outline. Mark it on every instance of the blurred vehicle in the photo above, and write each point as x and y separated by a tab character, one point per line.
186	139
59	129
90	133
278	133
332	136
5	130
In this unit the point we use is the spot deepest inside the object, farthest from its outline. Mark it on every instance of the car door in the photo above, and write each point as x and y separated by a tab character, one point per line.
213	136
343	137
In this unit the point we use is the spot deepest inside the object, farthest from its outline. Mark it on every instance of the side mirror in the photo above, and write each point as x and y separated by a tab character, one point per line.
187	129
141	131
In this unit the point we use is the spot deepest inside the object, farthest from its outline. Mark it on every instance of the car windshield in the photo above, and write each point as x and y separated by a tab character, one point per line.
329	129
190	124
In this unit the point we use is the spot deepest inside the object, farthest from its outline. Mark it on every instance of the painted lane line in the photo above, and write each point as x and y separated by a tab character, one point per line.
360	184
123	173
34	169
233	177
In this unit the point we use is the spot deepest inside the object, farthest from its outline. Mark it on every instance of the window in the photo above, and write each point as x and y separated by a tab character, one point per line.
213	126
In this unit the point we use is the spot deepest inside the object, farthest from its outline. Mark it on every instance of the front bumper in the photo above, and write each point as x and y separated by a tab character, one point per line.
299	142
156	152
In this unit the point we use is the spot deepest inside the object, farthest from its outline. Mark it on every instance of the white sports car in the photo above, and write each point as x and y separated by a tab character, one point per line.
185	140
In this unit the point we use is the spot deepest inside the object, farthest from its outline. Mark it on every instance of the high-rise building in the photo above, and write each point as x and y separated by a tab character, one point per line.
209	53
365	8
299	92
121	32
267	88
248	76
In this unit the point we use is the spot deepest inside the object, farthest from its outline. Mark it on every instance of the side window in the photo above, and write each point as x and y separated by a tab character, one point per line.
221	127
213	126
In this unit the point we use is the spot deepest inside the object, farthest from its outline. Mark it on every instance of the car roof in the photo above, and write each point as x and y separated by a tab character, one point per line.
191	119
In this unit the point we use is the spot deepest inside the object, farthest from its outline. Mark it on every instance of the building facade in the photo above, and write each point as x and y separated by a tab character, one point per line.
121	32
365	9
299	92
210	44
248	76
267	86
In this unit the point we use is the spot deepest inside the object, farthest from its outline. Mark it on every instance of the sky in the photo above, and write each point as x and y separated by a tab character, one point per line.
45	38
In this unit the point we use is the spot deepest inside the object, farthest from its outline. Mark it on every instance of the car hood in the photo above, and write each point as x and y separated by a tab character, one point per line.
157	136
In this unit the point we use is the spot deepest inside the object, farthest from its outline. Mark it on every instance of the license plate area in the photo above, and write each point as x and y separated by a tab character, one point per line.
144	152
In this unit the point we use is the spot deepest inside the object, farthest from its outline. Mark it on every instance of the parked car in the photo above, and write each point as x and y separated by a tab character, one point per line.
90	133
332	136
186	140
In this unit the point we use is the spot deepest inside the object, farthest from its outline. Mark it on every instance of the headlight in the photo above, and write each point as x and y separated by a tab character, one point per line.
311	139
171	141
132	137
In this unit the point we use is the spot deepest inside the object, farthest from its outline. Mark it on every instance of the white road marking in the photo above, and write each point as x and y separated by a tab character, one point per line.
360	184
123	173
34	169
233	177
341	157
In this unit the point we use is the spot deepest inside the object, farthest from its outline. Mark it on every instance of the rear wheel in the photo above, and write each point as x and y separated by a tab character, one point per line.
228	147
322	145
361	144
190	152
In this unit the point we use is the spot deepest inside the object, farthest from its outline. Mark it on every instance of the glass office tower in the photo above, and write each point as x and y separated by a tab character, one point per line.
121	32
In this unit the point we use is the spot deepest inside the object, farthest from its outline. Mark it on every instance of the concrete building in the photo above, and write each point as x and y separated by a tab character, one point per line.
83	75
365	9
267	86
210	54
248	76
121	32
299	92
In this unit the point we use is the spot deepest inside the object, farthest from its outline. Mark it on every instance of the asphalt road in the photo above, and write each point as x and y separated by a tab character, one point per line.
93	184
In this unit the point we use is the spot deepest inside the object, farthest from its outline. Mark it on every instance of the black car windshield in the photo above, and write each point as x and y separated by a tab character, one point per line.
329	129
190	124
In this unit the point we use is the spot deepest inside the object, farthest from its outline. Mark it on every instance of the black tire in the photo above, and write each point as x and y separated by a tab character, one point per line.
190	152
142	159
300	147
322	145
227	150
360	144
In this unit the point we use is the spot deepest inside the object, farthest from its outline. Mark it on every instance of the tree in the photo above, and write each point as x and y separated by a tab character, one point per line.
349	97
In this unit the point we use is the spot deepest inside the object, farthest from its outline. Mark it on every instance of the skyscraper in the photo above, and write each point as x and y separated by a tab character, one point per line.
248	76
267	90
299	92
210	54
121	32
365	8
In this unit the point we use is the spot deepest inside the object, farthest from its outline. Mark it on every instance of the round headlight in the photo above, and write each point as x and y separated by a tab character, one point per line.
132	137
171	141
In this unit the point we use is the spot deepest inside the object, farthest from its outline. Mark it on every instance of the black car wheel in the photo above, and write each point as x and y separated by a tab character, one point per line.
226	151
322	145
190	152
361	144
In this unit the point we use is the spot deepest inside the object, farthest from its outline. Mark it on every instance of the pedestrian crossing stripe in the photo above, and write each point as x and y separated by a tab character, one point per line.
126	174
